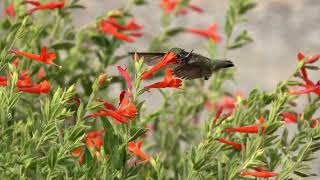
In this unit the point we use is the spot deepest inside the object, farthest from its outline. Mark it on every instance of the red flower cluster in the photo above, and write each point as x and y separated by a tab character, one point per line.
39	6
94	141
126	109
247	129
24	84
308	85
135	149
113	27
289	117
10	11
170	5
227	105
210	32
44	56
168	81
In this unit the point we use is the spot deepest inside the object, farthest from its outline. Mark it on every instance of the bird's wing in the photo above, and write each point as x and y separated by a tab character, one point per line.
190	71
149	58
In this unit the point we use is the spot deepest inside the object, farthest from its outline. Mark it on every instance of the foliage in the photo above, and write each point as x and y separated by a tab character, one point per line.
71	129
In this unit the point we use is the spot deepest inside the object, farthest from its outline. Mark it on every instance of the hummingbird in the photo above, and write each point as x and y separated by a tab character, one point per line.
189	65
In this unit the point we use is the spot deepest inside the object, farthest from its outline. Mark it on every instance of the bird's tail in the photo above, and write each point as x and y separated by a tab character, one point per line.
221	64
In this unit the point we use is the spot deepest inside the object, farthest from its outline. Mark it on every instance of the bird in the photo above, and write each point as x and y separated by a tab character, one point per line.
189	65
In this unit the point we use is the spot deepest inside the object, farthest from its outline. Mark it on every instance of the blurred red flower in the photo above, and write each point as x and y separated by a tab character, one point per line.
126	109
124	73
261	174
309	86
42	87
210	32
39	6
231	143
168	81
135	149
10	10
247	129
289	117
23	80
226	104
94	141
45	57
113	27
170	5
131	25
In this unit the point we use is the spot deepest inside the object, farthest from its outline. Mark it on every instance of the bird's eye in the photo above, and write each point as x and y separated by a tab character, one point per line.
178	56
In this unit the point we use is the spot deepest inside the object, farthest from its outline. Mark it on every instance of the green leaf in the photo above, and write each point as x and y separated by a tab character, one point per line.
139	2
52	158
64	45
136	133
174	31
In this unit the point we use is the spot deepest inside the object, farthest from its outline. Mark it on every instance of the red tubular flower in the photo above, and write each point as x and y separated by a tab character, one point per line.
218	113
231	143
113	114
314	122
121	96
77	152
45	57
127	109
131	25
170	5
23	81
15	62
112	26
169	58
10	11
135	149
43	87
210	33
289	117
50	6
247	129
168	81
310	59
301	57
110	29
124	73
261	174
309	88
94	139
107	104
195	8
3	81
